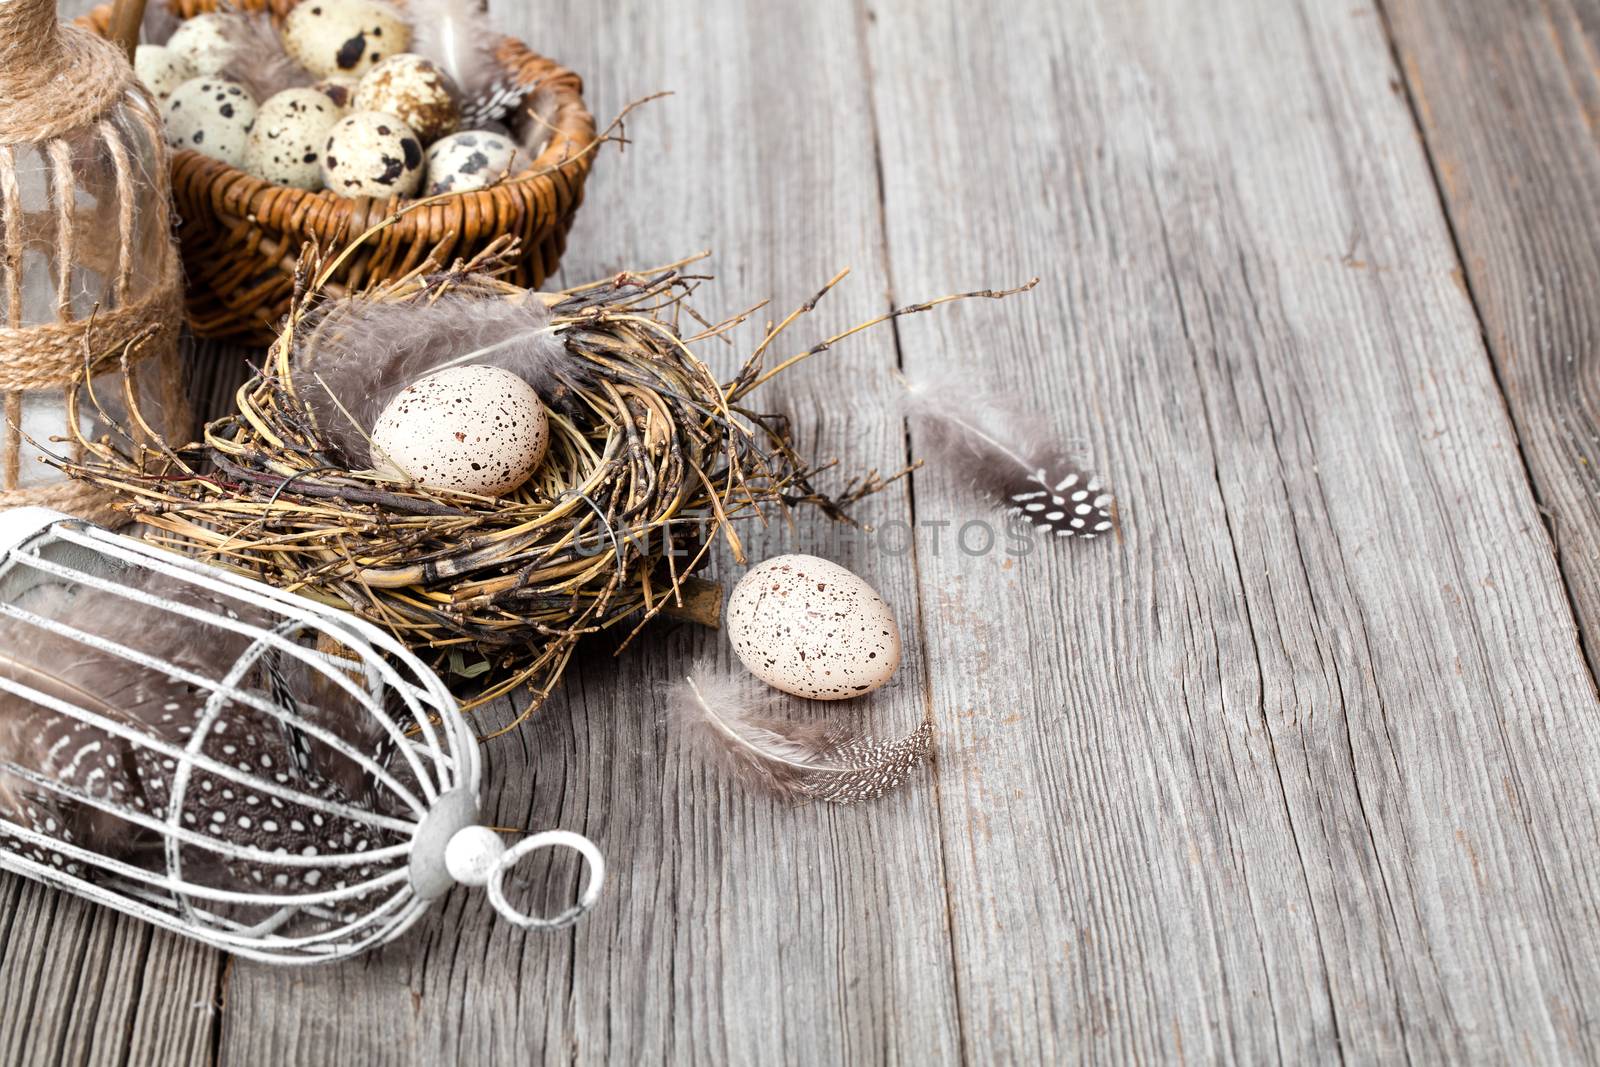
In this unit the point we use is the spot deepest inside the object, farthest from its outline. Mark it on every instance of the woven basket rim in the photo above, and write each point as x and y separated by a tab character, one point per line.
570	149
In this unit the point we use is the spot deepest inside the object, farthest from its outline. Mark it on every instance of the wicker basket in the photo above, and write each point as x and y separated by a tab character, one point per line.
242	237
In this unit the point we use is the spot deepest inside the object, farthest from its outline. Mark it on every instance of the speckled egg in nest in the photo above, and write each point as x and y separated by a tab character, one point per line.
650	461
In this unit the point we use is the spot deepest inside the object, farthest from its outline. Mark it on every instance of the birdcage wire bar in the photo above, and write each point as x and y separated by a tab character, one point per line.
433	750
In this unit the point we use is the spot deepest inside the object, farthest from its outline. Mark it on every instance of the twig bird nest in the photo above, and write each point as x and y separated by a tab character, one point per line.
650	460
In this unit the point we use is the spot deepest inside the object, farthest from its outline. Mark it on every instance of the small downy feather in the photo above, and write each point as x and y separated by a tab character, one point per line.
367	352
257	58
535	127
459	38
798	761
159	24
1011	456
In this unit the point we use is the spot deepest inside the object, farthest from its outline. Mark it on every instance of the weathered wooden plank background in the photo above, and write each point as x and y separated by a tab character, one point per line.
1305	767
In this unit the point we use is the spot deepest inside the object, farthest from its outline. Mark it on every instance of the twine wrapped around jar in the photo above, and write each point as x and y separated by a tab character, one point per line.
89	272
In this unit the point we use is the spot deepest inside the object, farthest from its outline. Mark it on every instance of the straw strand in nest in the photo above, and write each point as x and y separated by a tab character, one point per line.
651	460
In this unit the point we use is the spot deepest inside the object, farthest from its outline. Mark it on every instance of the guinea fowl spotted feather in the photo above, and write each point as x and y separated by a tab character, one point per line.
1010	455
797	761
59	774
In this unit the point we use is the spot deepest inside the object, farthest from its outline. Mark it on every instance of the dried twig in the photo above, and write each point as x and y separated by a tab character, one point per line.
652	459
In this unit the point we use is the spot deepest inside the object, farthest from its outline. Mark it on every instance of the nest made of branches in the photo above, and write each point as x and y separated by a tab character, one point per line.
652	460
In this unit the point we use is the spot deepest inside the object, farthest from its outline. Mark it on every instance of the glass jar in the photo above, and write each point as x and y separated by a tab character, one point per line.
88	267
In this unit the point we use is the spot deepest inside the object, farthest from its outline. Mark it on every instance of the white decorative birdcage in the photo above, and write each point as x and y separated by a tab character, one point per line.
236	763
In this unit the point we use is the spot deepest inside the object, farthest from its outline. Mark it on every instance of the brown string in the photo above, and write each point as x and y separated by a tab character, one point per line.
53	79
49	356
11	229
78	499
126	203
57	81
30	43
62	190
11	455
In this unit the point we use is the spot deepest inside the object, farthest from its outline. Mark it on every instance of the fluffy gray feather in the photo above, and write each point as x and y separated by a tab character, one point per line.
798	761
1009	454
459	38
535	125
367	352
159	23
257	58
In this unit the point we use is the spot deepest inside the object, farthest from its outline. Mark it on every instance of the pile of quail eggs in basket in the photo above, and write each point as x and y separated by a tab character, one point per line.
337	97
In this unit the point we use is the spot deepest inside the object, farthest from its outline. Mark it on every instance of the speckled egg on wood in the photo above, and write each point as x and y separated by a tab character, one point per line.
413	88
212	116
479	430
812	628
285	145
204	42
348	37
369	153
466	161
161	69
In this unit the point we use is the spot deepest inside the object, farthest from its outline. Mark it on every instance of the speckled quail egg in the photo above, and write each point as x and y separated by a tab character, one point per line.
212	116
812	628
413	88
470	160
285	145
479	430
340	89
204	42
162	69
347	37
369	153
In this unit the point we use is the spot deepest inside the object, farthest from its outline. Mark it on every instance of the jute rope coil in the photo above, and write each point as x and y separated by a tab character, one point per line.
69	82
44	357
64	92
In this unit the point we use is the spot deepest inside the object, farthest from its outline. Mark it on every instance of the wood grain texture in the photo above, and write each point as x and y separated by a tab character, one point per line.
1508	95
732	930
83	985
1300	768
